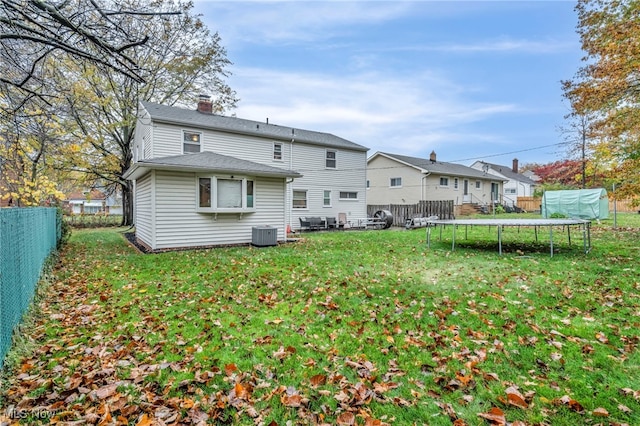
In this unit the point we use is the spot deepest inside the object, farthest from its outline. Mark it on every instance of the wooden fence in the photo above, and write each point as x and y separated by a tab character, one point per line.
529	204
623	206
532	204
402	212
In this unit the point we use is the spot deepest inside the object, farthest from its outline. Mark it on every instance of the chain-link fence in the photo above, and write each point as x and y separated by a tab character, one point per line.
27	237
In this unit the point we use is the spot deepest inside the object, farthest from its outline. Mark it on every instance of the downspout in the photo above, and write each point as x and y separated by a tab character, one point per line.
422	187
289	188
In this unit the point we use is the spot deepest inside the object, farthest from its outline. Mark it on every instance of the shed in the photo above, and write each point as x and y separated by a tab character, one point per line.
576	203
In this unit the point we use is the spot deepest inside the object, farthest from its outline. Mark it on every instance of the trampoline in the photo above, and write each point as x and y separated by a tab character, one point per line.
584	225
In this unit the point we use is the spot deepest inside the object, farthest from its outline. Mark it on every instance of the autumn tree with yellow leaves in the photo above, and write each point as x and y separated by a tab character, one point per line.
180	60
172	58
607	87
29	145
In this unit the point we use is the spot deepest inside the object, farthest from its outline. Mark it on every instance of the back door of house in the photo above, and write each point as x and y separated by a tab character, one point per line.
465	191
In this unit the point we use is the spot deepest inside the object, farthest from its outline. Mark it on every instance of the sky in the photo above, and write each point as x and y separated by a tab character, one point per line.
470	80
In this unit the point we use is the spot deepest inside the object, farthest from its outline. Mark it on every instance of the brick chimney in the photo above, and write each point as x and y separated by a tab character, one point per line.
515	165
205	105
432	156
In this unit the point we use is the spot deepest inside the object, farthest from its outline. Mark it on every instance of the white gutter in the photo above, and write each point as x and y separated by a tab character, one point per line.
289	187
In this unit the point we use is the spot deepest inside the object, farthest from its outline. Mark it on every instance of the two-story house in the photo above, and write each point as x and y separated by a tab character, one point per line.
202	179
515	184
401	179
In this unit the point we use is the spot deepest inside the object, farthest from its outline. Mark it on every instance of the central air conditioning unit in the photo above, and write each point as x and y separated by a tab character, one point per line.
264	236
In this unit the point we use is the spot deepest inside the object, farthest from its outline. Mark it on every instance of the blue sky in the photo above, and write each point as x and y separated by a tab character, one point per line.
467	79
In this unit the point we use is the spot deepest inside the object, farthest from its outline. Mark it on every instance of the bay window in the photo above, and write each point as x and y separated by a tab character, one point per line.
225	194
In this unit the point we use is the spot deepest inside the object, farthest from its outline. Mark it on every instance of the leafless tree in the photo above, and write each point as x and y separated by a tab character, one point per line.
578	135
32	31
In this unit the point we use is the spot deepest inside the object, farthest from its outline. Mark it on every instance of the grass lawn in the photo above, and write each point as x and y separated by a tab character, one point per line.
358	327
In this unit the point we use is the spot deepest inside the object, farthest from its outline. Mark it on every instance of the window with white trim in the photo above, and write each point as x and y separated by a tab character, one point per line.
455	183
190	142
478	184
348	195
326	199
444	181
395	182
225	194
368	184
510	191
330	159
299	199
277	151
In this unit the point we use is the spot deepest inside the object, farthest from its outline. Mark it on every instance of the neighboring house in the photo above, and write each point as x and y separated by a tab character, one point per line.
86	202
516	185
400	179
202	179
93	201
532	175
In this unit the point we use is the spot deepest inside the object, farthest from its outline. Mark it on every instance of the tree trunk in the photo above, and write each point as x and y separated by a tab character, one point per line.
127	204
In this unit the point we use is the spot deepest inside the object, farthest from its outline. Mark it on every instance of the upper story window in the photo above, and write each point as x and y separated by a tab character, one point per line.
368	184
277	151
191	142
330	160
455	183
395	182
222	194
478	184
444	181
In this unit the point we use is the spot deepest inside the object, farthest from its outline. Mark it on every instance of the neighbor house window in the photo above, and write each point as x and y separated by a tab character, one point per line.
348	195
277	151
223	194
326	199
510	191
299	199
455	183
330	161
368	184
191	142
395	182
478	184
444	181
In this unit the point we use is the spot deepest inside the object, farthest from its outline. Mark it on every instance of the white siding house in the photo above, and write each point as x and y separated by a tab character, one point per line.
203	179
401	179
516	184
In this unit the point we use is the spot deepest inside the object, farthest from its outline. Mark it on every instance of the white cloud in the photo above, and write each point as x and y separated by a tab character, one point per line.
412	114
293	22
503	45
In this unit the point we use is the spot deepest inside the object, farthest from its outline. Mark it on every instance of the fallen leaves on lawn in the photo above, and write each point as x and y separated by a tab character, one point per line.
495	416
207	370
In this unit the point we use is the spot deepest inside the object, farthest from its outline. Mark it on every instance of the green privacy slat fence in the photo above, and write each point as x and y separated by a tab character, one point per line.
27	237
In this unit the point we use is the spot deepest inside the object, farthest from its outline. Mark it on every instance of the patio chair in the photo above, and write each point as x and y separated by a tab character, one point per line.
342	221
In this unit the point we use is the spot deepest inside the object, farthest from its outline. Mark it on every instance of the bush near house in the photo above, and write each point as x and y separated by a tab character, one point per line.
93	220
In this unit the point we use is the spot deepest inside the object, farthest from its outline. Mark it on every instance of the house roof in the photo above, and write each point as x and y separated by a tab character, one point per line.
509	173
94	194
439	167
207	162
187	117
